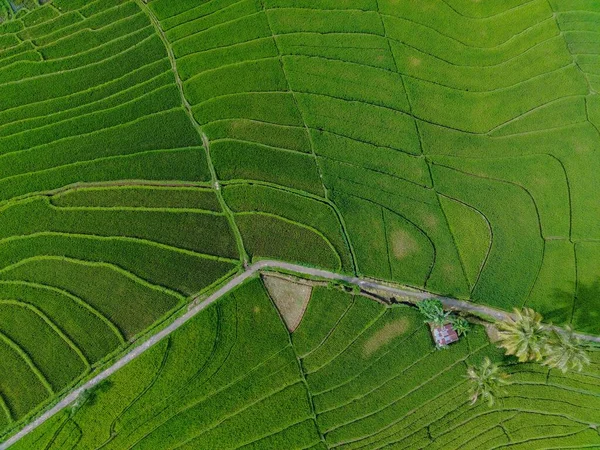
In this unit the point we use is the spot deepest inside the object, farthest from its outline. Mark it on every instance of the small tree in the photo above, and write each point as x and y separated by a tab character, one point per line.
460	325
486	381
524	336
565	351
433	311
89	396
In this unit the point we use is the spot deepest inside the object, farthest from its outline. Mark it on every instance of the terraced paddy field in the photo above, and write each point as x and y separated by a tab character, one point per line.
354	374
148	151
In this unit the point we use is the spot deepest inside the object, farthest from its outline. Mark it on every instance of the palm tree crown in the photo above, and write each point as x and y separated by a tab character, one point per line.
565	352
486	381
524	336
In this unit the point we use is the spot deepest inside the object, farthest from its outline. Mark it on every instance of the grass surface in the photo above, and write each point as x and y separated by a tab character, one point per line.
354	374
446	145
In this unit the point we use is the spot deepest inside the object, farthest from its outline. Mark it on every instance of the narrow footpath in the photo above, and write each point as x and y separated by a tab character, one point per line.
250	271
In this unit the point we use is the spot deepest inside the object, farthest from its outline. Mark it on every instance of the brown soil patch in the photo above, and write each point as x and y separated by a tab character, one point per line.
290	298
403	244
389	332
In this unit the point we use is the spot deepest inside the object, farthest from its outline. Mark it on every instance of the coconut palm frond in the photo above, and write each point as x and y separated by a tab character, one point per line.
524	335
565	351
486	382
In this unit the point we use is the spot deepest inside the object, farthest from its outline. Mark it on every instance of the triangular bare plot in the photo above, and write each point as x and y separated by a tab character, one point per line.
290	297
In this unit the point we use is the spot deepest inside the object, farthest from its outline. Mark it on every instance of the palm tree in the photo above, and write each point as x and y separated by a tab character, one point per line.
524	336
565	352
486	381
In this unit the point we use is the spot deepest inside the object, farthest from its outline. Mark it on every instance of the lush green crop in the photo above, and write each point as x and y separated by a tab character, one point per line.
302	209
23	390
86	327
232	377
271	236
241	161
104	294
27	327
139	197
148	148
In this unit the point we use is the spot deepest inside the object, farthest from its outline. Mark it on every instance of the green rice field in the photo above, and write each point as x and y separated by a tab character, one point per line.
150	150
354	375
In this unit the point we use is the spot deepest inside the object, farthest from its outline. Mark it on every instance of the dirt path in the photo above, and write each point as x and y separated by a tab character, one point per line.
365	284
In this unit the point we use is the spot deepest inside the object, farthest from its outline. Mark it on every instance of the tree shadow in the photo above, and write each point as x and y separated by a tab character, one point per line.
585	311
556	306
92	394
558	310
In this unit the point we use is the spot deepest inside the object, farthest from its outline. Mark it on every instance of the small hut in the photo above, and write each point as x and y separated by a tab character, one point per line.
443	334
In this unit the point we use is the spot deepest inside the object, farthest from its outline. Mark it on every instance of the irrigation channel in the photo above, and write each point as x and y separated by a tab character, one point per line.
264	265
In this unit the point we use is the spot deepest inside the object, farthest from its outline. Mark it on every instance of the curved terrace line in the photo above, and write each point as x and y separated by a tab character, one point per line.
53	326
76	300
252	270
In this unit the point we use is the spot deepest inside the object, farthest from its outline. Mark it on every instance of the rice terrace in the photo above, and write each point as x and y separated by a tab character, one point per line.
299	224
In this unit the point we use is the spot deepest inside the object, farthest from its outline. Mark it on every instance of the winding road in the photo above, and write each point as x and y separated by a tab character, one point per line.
250	271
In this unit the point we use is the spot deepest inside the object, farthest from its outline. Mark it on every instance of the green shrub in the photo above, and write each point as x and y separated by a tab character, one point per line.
433	311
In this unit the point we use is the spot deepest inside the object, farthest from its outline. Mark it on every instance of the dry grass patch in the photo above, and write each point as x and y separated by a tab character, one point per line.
290	297
492	332
403	244
389	332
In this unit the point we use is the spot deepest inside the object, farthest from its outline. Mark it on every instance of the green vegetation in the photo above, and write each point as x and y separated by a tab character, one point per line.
460	325
525	336
89	396
433	311
354	374
566	352
149	148
91	274
486	381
